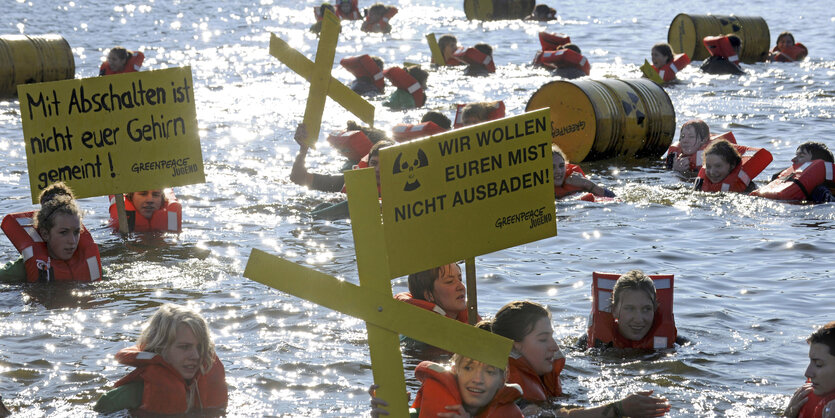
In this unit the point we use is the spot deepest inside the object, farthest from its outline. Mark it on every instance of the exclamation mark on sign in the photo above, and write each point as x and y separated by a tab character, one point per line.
112	173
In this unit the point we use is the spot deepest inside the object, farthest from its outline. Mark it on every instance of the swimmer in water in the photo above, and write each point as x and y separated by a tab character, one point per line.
570	179
401	99
721	158
816	398
720	65
120	60
787	50
694	137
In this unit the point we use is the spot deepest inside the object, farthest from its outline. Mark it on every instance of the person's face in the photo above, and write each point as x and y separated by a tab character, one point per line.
62	239
116	64
559	169
448	291
374	162
821	370
801	156
345	6
785	41
184	353
478	383
689	141
716	168
539	346
658	59
449	50
634	313
375	14
470	120
147	202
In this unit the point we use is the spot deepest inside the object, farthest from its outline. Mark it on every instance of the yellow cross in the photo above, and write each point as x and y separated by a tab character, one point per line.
435	49
371	301
322	84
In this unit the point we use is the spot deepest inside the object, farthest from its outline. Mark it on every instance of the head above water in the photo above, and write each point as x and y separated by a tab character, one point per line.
559	162
736	42
572	47
785	39
117	58
634	304
438	118
693	135
809	151
544	12
442	286
448	44
419	74
720	159
147	202
58	221
484	48
821	369
478	382
164	335
662	54
477	112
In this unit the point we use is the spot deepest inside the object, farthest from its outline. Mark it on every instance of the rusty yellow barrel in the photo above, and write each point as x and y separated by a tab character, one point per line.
597	119
687	31
33	59
498	9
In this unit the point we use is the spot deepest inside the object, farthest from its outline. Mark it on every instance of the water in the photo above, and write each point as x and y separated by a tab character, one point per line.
753	276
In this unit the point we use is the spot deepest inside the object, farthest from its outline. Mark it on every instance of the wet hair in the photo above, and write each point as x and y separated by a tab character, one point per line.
162	192
726	151
439	118
699	126
484	48
424	281
446	40
735	41
517	319
373	134
573	47
784	34
458	360
479	110
375	149
818	150
664	49
555	149
418	73
379	61
377	8
544	11
57	198
826	336
633	280
161	332
120	52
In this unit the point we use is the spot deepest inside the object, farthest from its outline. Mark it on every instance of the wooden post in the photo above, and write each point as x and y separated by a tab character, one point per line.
123	216
472	295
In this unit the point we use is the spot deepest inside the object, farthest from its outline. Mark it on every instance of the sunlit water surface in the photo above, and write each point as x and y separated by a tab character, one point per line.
753	276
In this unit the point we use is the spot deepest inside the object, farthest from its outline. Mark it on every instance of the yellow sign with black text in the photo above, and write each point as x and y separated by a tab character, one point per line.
468	192
112	134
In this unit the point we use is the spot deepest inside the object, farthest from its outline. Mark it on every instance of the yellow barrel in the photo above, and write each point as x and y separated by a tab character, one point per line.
498	9
597	119
687	32
33	59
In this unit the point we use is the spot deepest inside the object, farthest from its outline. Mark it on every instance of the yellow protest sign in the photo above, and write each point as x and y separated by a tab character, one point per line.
107	135
437	54
467	192
322	85
650	73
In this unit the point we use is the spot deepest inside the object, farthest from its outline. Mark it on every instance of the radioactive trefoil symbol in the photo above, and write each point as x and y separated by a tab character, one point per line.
409	165
630	107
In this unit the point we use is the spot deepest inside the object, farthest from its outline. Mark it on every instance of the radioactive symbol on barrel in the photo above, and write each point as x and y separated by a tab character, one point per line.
409	165
629	107
734	22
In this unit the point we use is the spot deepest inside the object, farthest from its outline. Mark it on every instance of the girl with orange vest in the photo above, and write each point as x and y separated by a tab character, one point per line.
411	87
809	178
479	59
683	155
53	243
569	179
377	18
176	368
816	398
149	210
120	60
440	290
787	50
348	10
448	45
665	64
725	170
536	362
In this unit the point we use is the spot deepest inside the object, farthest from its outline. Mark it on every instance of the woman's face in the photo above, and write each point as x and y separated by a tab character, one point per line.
448	291
184	353
147	202
689	141
539	347
116	64
478	383
785	41
62	239
658	59
634	313
449	50
559	169
717	168
821	370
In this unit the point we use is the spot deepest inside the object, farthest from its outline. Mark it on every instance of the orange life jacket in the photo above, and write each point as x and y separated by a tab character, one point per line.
552	41
792	53
354	14
165	390
697	158
563	58
603	328
352	144
798	181
535	388
364	66
403	132
494	114
754	161
668	71
84	266
440	389
133	64
168	218
720	46
403	80
377	26
429	306
814	406
564	190
474	56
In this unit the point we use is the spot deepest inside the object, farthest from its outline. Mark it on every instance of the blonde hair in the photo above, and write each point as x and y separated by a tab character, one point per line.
56	198
161	332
